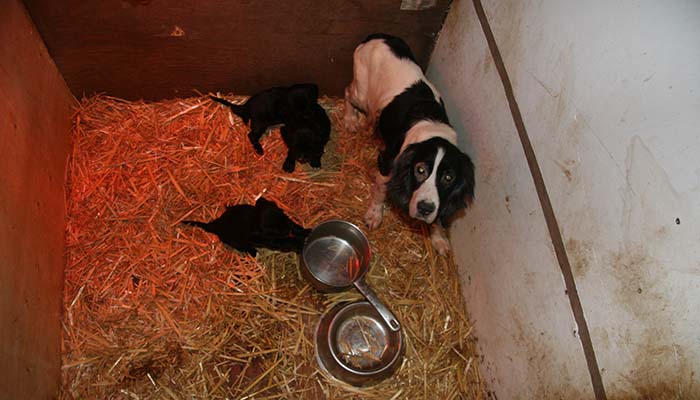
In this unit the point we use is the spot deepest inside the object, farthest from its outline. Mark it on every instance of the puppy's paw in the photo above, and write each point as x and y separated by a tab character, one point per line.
373	216
288	166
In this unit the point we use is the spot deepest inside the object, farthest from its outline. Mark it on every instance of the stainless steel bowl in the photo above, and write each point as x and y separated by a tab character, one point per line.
336	256
355	345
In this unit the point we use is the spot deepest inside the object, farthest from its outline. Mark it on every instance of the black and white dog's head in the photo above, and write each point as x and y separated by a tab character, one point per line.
432	180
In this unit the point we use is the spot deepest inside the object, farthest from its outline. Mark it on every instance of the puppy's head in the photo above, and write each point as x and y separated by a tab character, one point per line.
309	145
298	100
307	136
431	180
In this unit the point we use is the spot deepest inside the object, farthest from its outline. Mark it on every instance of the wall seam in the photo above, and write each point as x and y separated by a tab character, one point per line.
547	209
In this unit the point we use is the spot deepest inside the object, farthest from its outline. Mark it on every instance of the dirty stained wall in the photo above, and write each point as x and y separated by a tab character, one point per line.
610	92
610	96
35	114
510	276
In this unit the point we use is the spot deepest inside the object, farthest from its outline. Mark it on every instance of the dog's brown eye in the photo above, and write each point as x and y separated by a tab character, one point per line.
448	178
421	171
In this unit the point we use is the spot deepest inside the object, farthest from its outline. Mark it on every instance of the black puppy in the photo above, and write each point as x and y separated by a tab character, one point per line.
305	132
246	227
264	109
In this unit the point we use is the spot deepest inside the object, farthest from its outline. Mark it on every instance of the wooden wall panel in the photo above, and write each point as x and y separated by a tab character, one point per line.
35	121
156	49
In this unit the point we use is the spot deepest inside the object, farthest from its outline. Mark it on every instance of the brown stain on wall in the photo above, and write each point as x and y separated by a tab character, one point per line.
659	367
633	270
538	354
484	63
569	170
580	256
506	22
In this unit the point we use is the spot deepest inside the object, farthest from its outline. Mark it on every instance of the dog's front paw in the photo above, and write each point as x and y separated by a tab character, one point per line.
256	144
373	216
440	242
441	245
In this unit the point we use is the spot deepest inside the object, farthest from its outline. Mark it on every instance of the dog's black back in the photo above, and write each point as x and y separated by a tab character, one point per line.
397	45
261	106
264	109
246	227
416	103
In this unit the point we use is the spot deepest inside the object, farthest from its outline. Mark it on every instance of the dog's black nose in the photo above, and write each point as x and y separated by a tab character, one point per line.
425	208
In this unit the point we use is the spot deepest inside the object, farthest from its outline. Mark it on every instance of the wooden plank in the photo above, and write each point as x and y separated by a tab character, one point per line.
155	49
35	122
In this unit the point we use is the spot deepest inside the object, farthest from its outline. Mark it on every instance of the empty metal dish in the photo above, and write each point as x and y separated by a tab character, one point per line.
355	345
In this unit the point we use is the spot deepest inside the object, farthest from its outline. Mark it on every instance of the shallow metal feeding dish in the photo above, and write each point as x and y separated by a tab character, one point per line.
336	253
355	345
335	257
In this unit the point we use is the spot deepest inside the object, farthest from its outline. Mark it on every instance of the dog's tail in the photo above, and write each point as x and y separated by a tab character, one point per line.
198	224
239	109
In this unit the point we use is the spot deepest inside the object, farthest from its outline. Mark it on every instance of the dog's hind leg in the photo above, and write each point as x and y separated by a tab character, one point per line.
256	132
351	118
375	211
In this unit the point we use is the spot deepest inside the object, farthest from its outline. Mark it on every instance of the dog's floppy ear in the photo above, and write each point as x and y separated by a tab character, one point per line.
467	170
399	187
462	194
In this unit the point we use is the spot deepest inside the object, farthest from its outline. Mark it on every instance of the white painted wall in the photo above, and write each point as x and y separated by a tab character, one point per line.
610	95
511	280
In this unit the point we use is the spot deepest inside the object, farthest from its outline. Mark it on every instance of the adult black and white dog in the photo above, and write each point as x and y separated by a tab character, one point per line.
420	167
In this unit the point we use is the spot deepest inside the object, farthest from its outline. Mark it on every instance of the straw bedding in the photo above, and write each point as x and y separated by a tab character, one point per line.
156	309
